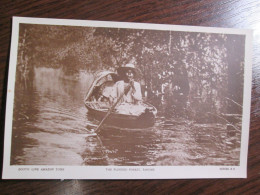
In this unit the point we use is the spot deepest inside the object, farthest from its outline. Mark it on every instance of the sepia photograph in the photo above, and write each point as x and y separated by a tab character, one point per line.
125	96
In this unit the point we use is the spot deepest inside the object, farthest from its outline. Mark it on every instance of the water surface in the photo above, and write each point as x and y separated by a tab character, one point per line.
51	127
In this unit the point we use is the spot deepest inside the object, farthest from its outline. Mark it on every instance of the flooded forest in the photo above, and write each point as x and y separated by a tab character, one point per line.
199	75
194	79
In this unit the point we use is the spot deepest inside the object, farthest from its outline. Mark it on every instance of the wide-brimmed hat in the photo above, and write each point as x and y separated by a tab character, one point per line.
121	70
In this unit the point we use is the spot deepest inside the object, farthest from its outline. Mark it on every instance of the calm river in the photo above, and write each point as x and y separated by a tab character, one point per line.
52	127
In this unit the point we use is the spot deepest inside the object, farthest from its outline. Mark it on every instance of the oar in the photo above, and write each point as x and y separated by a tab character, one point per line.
112	108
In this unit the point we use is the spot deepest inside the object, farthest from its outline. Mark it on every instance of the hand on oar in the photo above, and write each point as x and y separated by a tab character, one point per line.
112	108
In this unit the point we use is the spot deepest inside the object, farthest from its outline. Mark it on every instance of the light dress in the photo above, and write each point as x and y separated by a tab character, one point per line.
130	103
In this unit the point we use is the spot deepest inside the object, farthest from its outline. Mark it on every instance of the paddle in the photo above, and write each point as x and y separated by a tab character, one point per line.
112	108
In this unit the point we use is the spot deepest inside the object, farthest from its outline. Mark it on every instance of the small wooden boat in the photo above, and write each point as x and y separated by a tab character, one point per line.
98	108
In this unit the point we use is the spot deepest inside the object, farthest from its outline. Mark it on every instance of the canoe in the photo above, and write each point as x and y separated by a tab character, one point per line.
97	108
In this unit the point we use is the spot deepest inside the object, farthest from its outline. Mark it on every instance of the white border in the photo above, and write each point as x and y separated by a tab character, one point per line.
125	172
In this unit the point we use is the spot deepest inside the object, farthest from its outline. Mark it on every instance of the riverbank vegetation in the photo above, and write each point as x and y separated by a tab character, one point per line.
192	74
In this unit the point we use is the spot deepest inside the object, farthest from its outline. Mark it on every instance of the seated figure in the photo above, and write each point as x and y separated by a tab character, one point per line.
130	99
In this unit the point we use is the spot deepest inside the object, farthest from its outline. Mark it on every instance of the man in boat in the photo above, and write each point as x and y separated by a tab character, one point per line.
130	102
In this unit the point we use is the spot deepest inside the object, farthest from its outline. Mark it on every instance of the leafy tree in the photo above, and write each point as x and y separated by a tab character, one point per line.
187	72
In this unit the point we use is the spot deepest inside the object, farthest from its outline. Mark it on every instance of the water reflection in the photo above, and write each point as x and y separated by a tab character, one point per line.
52	127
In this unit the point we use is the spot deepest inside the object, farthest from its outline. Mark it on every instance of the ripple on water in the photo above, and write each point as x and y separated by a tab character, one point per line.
51	127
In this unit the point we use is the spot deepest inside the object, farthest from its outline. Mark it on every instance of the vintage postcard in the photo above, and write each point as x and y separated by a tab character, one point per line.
115	100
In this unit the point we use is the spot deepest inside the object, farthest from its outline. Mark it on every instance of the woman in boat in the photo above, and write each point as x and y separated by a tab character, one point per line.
133	95
130	98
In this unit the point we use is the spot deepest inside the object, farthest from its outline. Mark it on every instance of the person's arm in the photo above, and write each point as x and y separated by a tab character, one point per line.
118	91
136	92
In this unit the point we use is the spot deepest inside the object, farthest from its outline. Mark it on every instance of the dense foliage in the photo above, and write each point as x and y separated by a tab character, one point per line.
189	73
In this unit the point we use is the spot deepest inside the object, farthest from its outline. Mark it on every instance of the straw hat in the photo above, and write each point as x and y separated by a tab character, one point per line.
121	70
